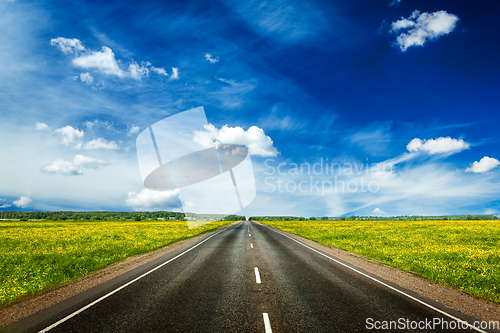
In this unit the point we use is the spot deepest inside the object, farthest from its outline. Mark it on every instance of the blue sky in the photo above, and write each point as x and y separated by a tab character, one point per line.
408	84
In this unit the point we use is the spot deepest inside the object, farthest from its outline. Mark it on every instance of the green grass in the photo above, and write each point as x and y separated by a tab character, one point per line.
36	255
461	254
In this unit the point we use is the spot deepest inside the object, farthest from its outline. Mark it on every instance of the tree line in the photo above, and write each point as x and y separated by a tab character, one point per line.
92	216
377	218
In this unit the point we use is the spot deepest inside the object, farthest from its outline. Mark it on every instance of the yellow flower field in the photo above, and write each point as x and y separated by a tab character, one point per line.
461	254
35	255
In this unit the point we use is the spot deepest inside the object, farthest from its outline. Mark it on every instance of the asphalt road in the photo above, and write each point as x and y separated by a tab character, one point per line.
213	287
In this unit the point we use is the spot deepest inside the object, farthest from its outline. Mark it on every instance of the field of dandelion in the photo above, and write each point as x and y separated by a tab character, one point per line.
36	255
461	254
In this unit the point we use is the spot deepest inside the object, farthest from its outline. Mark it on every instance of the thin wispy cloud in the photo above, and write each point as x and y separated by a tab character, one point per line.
100	143
288	21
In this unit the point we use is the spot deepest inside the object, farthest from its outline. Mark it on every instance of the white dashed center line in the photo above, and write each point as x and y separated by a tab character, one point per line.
267	323
257	275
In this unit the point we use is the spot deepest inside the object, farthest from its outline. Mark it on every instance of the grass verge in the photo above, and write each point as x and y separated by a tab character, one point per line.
460	254
36	255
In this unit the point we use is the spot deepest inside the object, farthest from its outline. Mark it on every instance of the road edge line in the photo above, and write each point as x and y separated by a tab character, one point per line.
71	315
380	282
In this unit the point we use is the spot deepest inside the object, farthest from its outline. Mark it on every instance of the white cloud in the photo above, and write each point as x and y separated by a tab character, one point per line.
103	61
421	27
485	165
395	2
254	138
378	212
22	202
70	135
210	58
133	129
41	127
5	206
159	70
99	124
67	45
440	145
88	162
175	73
138	72
87	78
100	143
153	200
65	168
62	167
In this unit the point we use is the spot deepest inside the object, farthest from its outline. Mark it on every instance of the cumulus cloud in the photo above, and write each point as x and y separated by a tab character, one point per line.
421	27
66	168
5	206
62	167
395	2
485	165
22	202
210	58
68	45
440	145
41	127
153	200
87	78
103	61
100	143
133	130
70	136
378	212
254	138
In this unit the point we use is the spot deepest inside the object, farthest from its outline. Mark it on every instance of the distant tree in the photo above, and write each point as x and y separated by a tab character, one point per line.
324	218
301	219
63	217
96	218
352	218
312	218
446	218
342	218
137	218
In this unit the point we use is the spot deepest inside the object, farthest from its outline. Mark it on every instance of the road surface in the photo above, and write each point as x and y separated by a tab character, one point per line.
245	278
